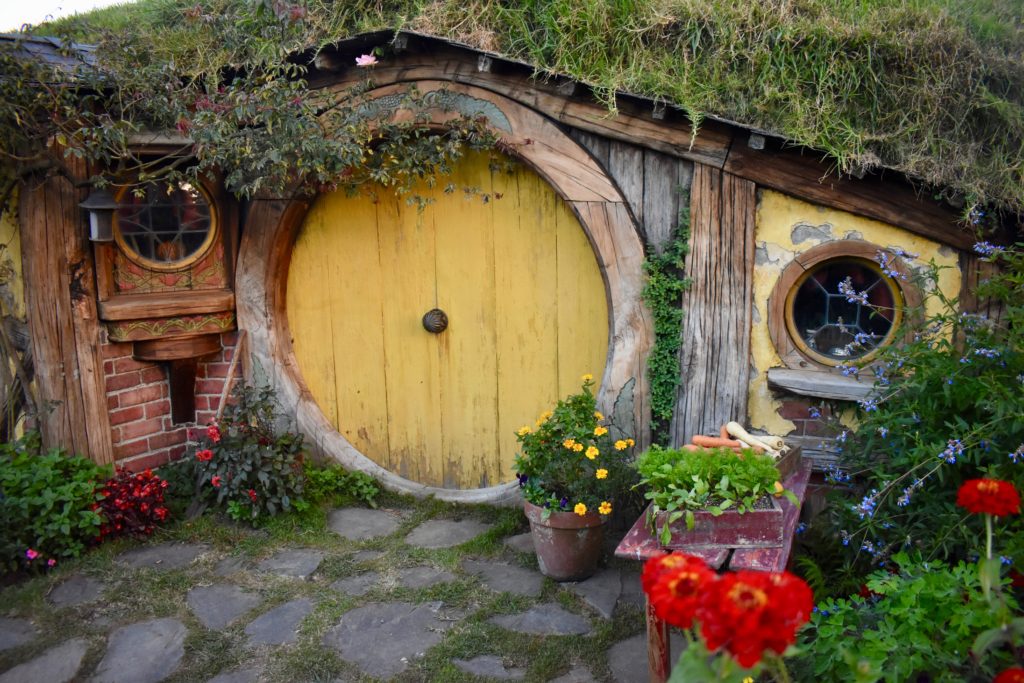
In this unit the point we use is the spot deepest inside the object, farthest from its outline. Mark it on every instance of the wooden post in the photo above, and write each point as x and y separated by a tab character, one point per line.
715	356
60	296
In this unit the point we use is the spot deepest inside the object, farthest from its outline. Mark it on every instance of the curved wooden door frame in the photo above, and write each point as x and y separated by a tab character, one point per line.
272	227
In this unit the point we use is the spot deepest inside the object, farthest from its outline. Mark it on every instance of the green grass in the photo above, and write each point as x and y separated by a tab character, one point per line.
138	594
932	88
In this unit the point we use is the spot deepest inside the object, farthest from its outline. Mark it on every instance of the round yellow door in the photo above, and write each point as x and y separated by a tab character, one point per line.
514	274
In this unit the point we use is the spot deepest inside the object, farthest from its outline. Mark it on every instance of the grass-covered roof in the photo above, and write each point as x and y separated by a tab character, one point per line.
931	88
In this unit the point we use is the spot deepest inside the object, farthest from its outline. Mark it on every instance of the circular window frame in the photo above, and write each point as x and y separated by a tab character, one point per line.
789	344
180	264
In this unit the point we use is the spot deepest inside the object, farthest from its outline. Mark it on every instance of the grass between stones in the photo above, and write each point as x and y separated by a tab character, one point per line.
134	595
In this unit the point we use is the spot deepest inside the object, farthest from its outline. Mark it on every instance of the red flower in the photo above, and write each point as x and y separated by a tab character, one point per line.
204	455
748	612
252	495
215	480
674	584
990	496
213	433
1014	675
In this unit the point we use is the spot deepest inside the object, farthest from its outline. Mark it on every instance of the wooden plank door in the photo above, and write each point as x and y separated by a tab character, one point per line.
512	268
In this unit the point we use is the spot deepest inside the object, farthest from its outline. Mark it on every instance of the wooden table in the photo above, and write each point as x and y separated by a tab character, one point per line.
640	544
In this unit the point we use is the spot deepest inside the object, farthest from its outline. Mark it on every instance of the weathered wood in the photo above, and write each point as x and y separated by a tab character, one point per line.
818	383
176	348
808	176
974	271
60	297
165	304
666	185
715	357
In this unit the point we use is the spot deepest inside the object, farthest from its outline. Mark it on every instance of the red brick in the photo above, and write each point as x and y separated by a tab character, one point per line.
127	450
165	439
113	402
217	369
158	408
150	392
205	417
209	386
108	367
118	382
214	403
153	373
128	364
229	338
177	452
118	417
116	350
134	430
202	403
816	428
794	409
145	462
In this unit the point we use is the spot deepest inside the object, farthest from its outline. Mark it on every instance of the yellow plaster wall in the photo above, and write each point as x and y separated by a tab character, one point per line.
11	280
787	227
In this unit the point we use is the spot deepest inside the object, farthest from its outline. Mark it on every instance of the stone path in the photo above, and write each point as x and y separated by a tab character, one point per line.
356	603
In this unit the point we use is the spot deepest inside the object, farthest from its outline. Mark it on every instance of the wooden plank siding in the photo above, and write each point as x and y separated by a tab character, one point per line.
60	297
715	357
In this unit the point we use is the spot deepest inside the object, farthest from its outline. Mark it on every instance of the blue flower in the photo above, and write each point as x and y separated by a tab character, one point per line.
801	527
868	404
1018	454
1003	559
852	295
842	436
986	249
866	507
953	448
814	412
564	503
987	353
883	432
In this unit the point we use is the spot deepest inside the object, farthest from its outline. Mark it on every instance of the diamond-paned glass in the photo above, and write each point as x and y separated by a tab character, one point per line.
164	226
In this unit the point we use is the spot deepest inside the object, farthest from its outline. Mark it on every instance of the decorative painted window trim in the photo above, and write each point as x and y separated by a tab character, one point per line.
793	350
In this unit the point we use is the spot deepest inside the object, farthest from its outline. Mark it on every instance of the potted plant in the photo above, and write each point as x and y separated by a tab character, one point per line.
570	469
712	496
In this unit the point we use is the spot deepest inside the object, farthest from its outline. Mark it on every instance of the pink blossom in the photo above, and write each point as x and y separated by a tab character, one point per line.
31	554
366	60
51	562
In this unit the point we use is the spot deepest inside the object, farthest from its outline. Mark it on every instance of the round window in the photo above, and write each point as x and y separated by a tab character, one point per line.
842	309
164	227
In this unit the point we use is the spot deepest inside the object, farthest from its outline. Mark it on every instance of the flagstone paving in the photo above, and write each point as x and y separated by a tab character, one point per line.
335	599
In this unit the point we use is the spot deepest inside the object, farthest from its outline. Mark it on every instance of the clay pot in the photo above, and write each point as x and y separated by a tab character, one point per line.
568	545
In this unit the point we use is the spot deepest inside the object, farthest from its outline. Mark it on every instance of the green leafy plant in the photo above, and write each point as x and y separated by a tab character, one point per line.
244	464
663	294
48	504
948	407
718	479
570	461
334	481
918	620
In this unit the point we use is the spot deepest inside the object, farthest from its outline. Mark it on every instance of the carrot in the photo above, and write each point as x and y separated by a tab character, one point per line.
724	433
714	442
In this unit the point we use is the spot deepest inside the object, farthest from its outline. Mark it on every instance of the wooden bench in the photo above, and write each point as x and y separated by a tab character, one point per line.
640	544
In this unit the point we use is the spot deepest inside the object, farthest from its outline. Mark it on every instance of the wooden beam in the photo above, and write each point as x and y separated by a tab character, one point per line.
818	383
715	356
166	304
60	295
808	176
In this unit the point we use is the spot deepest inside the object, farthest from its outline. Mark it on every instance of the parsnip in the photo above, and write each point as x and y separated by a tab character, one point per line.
737	432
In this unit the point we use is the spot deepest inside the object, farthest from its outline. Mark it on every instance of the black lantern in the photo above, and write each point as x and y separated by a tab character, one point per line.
101	206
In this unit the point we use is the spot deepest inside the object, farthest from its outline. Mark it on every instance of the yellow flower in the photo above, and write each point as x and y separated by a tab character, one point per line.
601	474
545	416
621	445
569	443
592	452
600	431
523	431
778	489
580	509
605	507
577	447
587	377
598	415
630	443
748	679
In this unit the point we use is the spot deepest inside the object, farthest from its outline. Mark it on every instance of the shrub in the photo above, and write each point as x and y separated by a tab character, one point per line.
133	504
243	465
47	504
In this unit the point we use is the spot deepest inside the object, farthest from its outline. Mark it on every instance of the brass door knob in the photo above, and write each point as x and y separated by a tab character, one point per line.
435	320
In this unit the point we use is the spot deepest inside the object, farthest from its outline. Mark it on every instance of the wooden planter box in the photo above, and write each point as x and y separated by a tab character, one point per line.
755	529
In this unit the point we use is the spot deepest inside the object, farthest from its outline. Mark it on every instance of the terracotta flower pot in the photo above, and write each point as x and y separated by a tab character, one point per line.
568	545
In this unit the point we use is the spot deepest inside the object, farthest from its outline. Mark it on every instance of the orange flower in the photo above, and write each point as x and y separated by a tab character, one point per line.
674	584
1014	675
204	455
989	496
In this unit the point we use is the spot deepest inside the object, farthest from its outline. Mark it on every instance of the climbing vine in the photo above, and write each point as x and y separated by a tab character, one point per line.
663	294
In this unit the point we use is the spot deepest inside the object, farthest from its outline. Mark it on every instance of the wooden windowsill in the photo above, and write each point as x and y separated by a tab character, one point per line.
166	304
818	383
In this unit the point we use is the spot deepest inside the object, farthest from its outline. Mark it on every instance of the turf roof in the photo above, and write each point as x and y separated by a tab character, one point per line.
931	88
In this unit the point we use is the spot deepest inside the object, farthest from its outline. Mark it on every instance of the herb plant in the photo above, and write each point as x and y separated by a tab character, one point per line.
332	482
681	481
570	461
48	504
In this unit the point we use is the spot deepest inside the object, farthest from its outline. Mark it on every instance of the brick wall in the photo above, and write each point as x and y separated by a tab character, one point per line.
798	411
138	398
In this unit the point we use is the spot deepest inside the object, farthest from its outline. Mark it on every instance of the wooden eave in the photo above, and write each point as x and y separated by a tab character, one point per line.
807	174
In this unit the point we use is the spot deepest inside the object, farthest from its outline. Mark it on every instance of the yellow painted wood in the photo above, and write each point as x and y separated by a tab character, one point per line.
311	339
526	304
